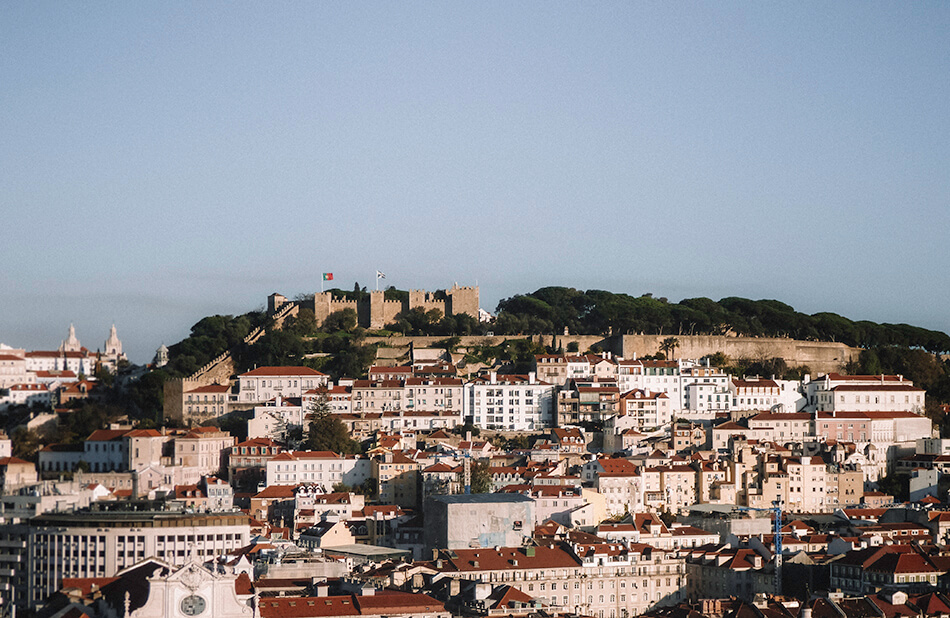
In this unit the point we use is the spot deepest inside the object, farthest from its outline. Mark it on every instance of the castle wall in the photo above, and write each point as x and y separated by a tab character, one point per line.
275	302
377	312
426	301
821	357
382	311
172	407
463	300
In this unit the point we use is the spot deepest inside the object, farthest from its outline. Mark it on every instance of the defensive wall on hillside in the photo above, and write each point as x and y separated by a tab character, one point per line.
376	312
216	371
820	356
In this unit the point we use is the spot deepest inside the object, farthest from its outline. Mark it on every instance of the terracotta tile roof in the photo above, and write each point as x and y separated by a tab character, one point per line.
781	416
258	442
489	559
840	377
754	383
211	388
730	426
55	373
617	467
37	388
106	435
851	388
144	433
507	597
7	461
283	371
902	563
296	455
932	604
276	491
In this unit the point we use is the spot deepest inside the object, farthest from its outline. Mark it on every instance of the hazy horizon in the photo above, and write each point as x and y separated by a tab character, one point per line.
164	162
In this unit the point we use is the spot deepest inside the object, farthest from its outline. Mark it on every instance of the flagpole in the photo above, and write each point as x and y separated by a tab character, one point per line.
377	280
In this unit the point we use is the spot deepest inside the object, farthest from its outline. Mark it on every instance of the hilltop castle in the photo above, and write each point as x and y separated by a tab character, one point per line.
377	311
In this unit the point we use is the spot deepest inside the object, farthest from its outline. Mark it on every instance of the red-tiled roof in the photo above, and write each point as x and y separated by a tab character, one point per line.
489	559
211	388
6	461
106	435
283	371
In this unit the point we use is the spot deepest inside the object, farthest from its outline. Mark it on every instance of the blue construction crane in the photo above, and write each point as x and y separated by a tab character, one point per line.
776	511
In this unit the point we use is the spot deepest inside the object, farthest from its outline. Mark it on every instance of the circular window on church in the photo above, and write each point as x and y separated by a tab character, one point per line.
192	605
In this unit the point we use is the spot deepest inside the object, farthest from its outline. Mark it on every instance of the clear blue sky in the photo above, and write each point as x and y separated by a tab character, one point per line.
160	162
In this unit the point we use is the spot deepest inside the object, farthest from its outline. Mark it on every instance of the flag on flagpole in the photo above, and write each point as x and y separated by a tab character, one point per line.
380	275
328	276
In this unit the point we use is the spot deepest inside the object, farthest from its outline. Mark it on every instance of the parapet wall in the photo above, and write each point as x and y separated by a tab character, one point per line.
820	356
376	312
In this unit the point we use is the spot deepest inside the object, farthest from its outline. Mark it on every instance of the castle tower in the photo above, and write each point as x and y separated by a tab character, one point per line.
72	343
113	346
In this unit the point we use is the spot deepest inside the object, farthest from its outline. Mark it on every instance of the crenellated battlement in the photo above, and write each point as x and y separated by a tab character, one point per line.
377	311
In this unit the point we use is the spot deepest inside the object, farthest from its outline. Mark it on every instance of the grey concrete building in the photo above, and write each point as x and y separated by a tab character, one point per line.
478	520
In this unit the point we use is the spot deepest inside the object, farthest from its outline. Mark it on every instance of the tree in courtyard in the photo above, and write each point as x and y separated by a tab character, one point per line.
327	432
25	443
481	477
344	320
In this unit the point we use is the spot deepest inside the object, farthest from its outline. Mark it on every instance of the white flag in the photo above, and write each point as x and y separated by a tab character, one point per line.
380	275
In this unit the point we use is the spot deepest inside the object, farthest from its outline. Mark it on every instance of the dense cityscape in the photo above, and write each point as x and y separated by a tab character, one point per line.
480	474
533	309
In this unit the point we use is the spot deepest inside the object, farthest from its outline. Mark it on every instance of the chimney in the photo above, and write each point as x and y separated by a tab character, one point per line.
532	377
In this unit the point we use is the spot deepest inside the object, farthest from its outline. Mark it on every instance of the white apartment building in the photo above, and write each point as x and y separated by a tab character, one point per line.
806	484
204	449
663	376
266	383
862	393
433	393
100	543
206	401
876	398
607	580
648	410
619	482
106	450
781	427
705	392
82	361
324	468
338	398
703	400
755	394
13	370
512	402
31	394
291	411
377	396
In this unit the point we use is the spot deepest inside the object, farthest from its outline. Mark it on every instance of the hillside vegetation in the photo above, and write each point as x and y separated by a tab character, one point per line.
596	312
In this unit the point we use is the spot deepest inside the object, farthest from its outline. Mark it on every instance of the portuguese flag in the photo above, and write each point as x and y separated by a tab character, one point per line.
328	276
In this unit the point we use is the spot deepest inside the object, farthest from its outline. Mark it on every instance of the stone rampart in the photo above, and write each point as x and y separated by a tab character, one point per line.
820	356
